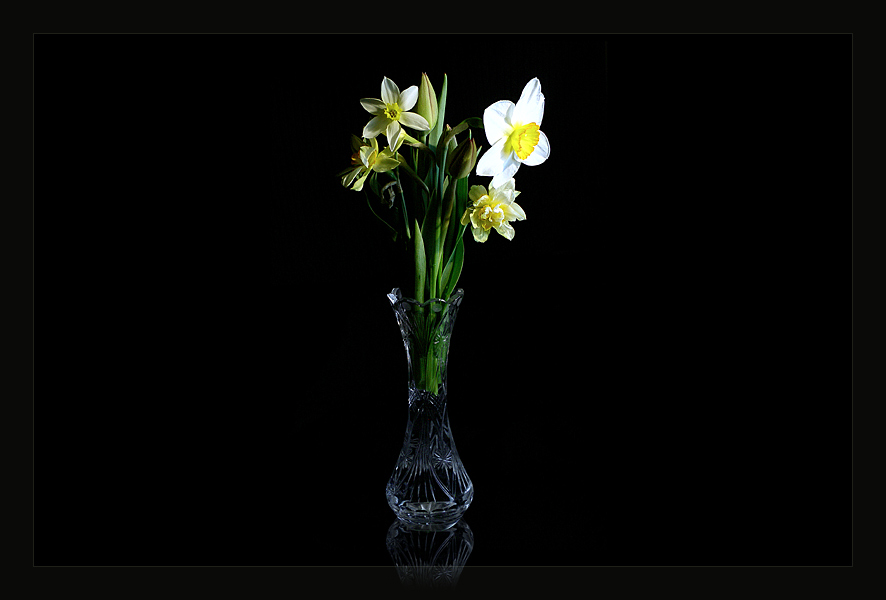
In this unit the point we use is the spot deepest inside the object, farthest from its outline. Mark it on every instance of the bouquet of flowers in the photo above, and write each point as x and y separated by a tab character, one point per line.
420	178
420	184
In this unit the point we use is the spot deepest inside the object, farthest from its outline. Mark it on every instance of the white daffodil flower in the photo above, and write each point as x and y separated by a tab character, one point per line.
493	210
514	135
392	111
367	158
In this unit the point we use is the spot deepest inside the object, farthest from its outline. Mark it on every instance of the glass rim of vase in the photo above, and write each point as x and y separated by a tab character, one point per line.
396	297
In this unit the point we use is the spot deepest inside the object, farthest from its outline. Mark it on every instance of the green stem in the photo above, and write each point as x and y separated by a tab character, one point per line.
388	225
403	204
411	173
434	275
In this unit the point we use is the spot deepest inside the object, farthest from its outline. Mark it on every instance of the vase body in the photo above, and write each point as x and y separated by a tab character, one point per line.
429	488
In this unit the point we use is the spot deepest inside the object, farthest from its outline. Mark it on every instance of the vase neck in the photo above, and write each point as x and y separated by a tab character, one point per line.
421	399
426	329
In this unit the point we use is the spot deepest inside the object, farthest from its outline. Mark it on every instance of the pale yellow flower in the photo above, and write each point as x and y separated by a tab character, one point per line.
493	209
367	158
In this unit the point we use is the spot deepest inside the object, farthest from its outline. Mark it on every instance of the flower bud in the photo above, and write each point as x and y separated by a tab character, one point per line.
426	105
450	146
461	161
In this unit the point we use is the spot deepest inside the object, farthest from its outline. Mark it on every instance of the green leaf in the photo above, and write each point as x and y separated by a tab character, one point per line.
437	131
452	223
444	277
420	264
452	272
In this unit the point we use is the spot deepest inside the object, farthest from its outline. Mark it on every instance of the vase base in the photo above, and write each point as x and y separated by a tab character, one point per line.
429	516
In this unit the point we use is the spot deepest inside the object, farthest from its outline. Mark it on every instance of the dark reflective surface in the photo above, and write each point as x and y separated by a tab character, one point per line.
427	558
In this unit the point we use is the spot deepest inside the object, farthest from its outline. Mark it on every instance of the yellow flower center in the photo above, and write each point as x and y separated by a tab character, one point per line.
392	111
490	215
523	140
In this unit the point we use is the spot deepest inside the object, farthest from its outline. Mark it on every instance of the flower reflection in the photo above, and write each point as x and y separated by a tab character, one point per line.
427	558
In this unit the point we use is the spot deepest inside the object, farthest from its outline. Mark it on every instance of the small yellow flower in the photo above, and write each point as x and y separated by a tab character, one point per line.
365	159
493	209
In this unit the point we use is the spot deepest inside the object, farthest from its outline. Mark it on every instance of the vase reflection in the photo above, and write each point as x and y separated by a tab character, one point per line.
429	558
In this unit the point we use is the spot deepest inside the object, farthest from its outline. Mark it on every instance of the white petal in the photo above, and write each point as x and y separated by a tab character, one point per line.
415	121
373	105
505	192
393	147
408	98
541	153
375	126
505	229
514	211
480	234
390	93
509	171
393	132
497	120
531	105
493	160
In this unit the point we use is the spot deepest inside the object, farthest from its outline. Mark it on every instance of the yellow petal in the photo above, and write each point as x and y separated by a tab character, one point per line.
480	235
475	219
477	192
385	163
358	185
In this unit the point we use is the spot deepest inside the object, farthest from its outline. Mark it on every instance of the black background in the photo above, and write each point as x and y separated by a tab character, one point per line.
655	371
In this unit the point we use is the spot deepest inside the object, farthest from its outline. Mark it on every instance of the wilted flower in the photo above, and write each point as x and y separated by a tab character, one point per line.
514	135
493	210
392	111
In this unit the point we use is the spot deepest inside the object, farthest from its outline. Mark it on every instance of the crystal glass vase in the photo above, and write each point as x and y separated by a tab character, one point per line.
429	488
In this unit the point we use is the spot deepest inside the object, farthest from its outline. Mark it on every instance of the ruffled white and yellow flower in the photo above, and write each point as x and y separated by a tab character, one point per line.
365	159
493	209
392	111
514	135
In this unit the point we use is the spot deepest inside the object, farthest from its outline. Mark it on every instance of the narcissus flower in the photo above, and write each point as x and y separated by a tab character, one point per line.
493	209
367	158
392	111
514	134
